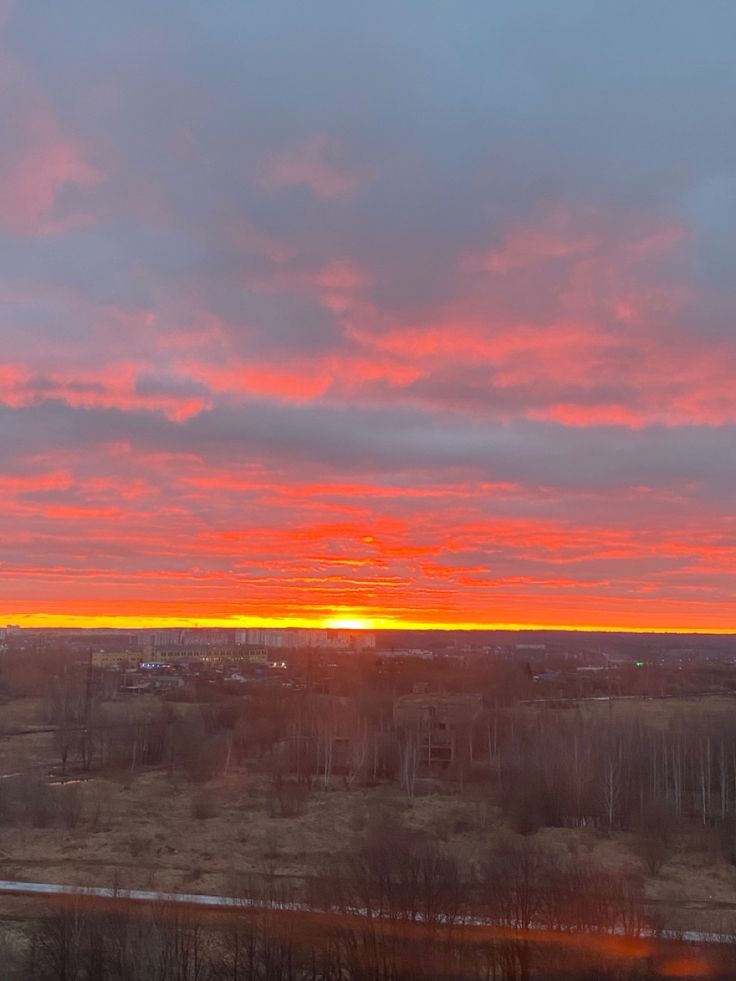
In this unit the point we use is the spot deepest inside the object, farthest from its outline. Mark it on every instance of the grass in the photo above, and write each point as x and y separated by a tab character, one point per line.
659	713
155	830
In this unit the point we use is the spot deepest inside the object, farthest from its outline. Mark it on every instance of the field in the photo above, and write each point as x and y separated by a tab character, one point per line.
155	829
657	713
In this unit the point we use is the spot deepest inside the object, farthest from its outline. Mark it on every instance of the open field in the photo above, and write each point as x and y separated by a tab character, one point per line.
657	713
155	829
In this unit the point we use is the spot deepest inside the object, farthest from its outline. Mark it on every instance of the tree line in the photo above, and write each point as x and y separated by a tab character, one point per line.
545	768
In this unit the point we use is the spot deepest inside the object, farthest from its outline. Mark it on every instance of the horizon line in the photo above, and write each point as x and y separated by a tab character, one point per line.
350	623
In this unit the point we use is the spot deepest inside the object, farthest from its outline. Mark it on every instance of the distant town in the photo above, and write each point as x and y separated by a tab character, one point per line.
543	664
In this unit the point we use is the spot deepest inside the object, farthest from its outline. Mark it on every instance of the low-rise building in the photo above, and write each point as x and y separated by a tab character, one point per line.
115	660
439	722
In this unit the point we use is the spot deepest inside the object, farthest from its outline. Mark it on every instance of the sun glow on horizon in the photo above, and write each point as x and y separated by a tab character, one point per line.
288	363
132	622
350	623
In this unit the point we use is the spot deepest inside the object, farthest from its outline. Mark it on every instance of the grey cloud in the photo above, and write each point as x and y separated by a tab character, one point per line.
149	384
380	442
471	118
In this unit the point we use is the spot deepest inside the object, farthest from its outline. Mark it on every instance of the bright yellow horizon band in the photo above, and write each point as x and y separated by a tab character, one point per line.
338	622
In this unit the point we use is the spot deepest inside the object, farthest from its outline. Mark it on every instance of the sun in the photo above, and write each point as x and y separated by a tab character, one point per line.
348	623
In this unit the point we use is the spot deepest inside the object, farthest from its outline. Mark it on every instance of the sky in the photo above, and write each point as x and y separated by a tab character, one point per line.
370	313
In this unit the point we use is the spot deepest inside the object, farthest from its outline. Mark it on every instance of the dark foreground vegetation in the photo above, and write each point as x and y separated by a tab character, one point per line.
397	906
394	910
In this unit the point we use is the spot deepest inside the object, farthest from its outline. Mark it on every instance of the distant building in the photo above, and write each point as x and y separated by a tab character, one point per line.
440	723
255	655
164	682
419	652
259	637
115	660
313	637
207	655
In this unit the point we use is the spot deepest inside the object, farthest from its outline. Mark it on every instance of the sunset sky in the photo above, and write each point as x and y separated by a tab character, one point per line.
379	312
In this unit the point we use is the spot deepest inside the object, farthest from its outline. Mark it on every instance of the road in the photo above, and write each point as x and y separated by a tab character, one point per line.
17	888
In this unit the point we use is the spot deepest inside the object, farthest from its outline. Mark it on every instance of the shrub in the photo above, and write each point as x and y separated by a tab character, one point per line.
70	805
357	820
203	805
653	843
288	798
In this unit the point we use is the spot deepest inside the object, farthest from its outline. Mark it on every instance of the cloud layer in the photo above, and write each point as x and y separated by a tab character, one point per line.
359	310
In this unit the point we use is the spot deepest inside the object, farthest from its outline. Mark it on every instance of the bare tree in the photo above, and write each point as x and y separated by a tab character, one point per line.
408	759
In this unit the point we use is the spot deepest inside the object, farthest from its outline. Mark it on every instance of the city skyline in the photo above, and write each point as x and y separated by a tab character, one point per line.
350	315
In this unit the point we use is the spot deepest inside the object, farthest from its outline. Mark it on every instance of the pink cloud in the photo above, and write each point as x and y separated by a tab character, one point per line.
608	343
32	178
556	237
40	160
609	317
297	382
114	386
561	232
319	162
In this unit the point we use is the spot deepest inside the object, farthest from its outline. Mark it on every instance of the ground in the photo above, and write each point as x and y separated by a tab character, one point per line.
145	830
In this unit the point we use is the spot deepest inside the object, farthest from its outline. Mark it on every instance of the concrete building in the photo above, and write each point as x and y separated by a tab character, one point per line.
207	655
115	660
313	637
259	637
440	723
